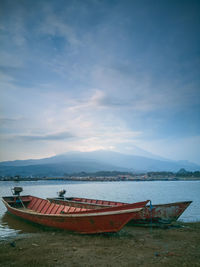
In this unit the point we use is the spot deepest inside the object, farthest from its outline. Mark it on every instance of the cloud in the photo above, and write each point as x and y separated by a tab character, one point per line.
49	137
7	121
140	91
10	60
101	99
98	99
55	26
14	18
119	100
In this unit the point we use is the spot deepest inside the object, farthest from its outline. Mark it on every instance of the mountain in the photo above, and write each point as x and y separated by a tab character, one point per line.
56	169
73	162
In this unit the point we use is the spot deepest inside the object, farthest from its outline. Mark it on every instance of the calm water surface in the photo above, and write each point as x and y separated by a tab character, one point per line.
159	192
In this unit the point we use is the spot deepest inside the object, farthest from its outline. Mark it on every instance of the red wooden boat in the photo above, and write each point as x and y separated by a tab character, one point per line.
160	213
73	218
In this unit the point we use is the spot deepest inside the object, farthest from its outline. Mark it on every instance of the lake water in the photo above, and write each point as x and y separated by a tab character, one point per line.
157	191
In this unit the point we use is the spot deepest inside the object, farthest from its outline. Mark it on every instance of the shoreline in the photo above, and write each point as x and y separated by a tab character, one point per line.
104	179
132	246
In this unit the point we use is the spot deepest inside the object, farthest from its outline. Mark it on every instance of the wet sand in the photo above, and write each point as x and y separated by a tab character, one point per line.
132	246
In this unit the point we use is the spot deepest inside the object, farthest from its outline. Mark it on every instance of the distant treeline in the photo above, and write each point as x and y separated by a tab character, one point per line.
180	173
99	174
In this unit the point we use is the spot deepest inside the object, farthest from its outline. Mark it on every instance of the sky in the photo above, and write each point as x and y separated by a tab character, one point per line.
87	75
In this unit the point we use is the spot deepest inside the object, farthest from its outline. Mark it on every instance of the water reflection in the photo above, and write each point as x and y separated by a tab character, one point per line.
9	221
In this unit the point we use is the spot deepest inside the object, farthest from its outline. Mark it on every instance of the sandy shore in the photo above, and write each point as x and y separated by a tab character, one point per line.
132	246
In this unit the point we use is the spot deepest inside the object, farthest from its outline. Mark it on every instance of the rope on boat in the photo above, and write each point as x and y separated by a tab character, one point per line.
22	202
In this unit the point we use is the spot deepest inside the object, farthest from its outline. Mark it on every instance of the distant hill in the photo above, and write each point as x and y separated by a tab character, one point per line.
72	162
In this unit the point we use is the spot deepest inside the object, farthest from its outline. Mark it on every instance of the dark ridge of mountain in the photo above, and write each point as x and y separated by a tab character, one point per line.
57	169
71	162
29	162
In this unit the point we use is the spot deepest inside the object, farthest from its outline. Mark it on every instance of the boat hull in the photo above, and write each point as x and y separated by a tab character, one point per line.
86	222
162	213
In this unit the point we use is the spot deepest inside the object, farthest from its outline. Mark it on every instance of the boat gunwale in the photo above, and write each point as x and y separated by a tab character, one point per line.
122	203
171	203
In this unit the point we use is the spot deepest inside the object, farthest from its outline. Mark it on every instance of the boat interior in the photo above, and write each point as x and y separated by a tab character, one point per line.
81	204
96	201
39	205
85	202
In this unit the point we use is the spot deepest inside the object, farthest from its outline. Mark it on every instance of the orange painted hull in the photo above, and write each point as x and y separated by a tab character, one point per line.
80	220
